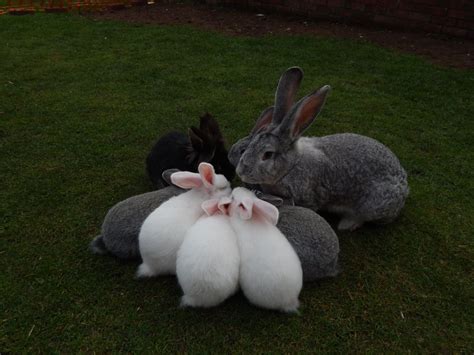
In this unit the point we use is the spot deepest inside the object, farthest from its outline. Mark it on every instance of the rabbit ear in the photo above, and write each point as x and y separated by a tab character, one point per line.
266	210
263	121
166	175
207	173
224	204
209	124
186	180
195	136
286	92
210	206
303	113
245	208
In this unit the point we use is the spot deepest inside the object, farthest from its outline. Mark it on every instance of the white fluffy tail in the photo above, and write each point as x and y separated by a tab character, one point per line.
292	308
97	246
144	271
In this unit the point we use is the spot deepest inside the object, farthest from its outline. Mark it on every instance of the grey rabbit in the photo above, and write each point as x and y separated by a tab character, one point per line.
313	239
348	174
119	232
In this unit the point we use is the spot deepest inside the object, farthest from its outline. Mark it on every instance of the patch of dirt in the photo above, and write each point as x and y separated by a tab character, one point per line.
442	50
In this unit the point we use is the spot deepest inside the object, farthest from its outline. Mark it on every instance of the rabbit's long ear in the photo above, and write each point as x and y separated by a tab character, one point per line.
224	204
245	208
207	174
195	136
286	93
263	121
209	124
210	206
266	210
166	175
186	180
303	113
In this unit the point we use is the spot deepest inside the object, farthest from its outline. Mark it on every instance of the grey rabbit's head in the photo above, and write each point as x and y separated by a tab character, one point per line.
241	145
273	152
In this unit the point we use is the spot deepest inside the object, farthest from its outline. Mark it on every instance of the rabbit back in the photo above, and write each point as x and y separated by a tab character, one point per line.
270	272
122	223
313	240
208	262
162	233
356	176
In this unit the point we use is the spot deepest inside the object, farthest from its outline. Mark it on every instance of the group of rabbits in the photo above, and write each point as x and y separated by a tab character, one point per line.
216	239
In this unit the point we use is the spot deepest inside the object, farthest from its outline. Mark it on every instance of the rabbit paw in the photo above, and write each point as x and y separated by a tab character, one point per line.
348	224
144	271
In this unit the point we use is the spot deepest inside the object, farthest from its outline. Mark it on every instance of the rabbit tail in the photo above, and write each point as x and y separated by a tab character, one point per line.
97	246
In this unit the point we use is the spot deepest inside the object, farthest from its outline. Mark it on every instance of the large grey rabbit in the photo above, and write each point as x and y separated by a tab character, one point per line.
349	174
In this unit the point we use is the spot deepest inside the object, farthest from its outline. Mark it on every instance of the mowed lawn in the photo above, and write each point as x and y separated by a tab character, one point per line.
81	103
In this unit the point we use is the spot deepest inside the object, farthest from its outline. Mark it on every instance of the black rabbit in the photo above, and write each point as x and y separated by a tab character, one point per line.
185	152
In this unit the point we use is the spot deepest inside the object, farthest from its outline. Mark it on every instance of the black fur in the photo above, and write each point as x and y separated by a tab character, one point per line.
184	152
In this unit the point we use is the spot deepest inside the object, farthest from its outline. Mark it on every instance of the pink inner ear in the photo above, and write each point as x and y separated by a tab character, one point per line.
305	114
244	213
186	180
210	206
224	204
207	174
245	208
264	120
266	210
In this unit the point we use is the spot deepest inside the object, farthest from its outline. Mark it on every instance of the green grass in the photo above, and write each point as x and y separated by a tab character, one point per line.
81	102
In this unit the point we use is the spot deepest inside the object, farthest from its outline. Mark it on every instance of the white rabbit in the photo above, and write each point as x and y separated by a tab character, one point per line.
163	231
270	271
208	261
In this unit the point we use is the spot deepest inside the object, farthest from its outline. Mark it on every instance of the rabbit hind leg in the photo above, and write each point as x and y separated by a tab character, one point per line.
349	223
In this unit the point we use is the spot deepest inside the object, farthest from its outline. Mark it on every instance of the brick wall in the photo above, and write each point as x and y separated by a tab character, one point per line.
452	17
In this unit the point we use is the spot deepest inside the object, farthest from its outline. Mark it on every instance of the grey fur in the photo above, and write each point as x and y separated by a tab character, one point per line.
313	239
286	92
239	147
119	233
349	174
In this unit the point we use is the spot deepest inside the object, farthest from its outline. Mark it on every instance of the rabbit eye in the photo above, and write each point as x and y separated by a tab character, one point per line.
242	151
267	155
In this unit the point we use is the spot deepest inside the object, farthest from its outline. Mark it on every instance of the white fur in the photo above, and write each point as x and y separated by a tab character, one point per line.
208	262
163	231
305	145
270	271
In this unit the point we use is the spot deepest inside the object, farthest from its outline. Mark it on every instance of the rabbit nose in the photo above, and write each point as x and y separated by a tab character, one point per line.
240	168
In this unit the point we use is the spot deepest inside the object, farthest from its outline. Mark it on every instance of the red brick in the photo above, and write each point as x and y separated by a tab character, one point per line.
392	21
356	5
458	14
412	16
335	3
423	8
459	4
319	2
443	20
429	27
454	31
468	25
439	11
427	2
